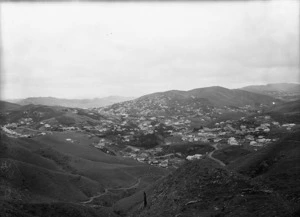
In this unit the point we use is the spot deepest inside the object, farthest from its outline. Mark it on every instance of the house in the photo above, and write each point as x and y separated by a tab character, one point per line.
141	159
249	137
253	143
164	163
232	141
194	157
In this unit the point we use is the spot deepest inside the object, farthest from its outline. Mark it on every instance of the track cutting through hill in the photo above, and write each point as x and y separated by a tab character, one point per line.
106	191
215	159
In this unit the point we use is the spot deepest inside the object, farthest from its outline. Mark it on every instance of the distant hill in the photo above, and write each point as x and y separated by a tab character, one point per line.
220	96
184	102
283	91
74	103
4	106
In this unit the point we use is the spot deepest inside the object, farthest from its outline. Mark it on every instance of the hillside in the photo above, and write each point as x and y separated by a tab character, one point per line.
73	103
201	100
93	162
53	115
5	106
52	210
283	91
276	166
260	183
220	96
50	169
202	188
288	112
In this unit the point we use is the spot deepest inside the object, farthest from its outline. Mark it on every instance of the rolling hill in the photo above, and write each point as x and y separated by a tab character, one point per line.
61	167
67	162
220	96
216	96
185	102
54	115
54	174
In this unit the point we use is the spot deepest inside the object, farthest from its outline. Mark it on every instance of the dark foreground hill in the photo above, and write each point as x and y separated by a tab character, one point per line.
19	209
202	188
44	176
277	166
264	183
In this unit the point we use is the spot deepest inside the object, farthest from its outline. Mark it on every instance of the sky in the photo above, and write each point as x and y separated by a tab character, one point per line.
87	50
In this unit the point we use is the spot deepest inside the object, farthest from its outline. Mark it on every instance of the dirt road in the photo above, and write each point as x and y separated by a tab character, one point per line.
215	159
106	191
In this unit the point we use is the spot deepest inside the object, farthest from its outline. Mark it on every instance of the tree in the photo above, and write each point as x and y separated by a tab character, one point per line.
145	199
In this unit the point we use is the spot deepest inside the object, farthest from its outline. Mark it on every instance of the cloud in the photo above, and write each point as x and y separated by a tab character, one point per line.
94	50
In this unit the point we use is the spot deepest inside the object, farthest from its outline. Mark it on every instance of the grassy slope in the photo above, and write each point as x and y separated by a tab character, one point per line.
89	161
230	154
202	188
5	106
52	210
286	113
45	171
278	166
268	186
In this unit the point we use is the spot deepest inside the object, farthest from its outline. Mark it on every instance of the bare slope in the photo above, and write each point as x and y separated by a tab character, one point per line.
202	188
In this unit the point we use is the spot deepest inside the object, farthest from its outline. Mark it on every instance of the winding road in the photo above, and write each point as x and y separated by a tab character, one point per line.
215	159
106	191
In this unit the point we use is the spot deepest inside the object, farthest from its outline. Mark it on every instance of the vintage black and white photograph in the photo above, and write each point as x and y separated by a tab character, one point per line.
158	108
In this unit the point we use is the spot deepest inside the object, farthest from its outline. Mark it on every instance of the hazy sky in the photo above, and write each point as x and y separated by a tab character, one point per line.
85	50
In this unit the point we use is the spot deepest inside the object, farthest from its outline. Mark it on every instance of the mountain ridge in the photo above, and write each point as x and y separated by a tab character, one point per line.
77	103
199	100
283	91
279	91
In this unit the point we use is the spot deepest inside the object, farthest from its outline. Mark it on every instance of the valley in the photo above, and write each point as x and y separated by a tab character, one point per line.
104	158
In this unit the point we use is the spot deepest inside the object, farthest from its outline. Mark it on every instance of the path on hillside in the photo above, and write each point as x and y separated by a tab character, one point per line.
106	191
215	159
94	197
